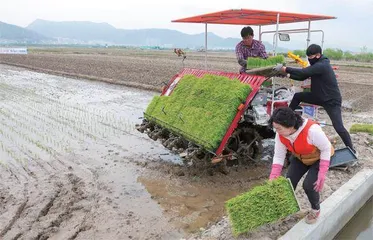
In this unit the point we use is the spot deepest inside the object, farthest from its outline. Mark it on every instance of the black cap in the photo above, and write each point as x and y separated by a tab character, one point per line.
313	49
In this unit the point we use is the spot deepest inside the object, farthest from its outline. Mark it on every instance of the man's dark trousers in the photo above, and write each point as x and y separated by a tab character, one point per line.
332	108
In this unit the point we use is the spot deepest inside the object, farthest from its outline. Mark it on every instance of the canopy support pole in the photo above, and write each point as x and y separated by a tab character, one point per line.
309	34
260	32
276	42
273	79
205	46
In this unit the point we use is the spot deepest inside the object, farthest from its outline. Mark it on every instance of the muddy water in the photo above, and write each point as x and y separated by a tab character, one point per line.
193	206
73	166
67	154
360	227
194	202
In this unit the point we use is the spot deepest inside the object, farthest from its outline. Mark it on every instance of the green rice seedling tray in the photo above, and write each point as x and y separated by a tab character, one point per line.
200	109
260	62
263	204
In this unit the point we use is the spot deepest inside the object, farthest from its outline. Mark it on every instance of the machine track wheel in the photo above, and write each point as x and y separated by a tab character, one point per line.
245	146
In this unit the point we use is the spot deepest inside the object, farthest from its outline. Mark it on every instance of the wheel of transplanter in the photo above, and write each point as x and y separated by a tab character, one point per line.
245	145
251	148
231	148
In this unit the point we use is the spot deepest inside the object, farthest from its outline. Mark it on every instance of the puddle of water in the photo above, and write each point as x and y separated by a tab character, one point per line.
193	203
192	206
360	227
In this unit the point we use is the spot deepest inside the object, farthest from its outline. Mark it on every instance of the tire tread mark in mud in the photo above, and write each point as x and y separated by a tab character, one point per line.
80	229
83	227
14	219
75	189
65	215
47	207
17	236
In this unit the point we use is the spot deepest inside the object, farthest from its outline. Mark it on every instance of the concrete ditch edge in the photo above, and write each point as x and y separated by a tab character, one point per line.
336	210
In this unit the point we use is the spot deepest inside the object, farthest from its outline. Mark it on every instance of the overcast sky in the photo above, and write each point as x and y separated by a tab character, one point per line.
353	26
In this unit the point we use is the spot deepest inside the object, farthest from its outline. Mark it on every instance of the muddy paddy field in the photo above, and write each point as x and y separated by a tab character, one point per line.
72	165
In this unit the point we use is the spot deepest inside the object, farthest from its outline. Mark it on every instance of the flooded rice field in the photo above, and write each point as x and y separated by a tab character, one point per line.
72	166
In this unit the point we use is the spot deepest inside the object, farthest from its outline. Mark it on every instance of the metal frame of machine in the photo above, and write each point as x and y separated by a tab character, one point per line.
250	108
256	18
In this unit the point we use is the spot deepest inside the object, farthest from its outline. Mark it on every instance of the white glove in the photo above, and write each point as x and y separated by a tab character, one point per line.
278	67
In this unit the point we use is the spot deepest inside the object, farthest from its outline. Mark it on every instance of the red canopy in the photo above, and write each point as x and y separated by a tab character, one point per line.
251	17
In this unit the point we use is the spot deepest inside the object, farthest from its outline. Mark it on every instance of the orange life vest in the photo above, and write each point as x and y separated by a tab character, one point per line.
301	149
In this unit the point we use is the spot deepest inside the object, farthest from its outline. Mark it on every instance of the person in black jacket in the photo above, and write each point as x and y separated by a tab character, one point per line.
324	89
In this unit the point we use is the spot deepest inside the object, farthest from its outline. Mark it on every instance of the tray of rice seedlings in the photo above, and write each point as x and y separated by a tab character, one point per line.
199	109
263	204
255	62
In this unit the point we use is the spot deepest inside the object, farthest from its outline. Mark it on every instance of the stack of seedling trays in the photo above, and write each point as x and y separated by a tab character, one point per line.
199	109
263	204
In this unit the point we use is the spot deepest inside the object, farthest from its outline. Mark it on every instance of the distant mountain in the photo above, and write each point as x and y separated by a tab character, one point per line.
84	31
89	32
13	33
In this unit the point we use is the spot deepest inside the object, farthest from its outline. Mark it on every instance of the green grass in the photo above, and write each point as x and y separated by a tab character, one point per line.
200	109
260	62
368	128
263	204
